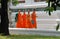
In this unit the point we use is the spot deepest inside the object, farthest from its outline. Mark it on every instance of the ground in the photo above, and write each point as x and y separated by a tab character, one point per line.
29	37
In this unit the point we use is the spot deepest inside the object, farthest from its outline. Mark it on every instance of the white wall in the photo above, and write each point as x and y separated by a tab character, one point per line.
29	1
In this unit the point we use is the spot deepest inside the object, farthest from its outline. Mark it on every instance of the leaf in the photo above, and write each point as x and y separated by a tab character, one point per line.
15	2
51	9
47	0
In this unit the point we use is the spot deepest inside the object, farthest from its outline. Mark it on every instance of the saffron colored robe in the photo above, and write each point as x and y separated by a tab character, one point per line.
29	21
25	21
34	20
19	23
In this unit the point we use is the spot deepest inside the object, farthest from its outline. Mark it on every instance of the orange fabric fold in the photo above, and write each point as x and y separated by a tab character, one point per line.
19	23
34	19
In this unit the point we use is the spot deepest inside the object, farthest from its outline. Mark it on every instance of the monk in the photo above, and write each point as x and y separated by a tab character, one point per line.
33	15
19	23
25	20
29	19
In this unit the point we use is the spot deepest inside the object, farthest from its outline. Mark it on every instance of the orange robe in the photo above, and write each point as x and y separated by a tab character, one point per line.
19	23
29	21
25	21
34	20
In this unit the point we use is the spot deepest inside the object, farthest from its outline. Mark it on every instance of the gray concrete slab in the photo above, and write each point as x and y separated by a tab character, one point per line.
34	32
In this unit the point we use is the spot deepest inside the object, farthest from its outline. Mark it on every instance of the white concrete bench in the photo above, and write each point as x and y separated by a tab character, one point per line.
34	32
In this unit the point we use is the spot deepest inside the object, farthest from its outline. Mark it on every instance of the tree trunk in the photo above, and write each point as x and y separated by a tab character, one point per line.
4	18
0	19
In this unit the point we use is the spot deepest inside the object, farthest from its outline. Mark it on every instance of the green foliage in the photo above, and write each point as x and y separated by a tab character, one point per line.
47	0
50	9
15	2
53	6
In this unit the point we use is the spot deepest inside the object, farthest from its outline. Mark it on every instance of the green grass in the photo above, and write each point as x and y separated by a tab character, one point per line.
29	37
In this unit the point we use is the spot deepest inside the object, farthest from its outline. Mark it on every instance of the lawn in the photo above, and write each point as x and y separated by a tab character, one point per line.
29	37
